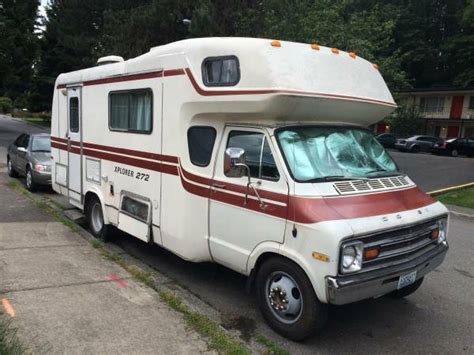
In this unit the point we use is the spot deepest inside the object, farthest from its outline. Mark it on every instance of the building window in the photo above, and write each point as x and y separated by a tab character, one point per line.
432	104
258	155
131	111
221	71
471	103
74	114
200	144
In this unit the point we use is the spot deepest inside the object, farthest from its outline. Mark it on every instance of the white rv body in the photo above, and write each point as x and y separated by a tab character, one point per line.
198	212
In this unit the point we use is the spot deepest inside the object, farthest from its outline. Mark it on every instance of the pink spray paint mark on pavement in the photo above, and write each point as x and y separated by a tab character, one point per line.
121	283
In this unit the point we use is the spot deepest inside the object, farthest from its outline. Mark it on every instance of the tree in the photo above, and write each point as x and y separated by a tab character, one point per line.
406	121
18	47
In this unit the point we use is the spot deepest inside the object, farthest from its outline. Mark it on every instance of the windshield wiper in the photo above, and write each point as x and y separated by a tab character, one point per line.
336	178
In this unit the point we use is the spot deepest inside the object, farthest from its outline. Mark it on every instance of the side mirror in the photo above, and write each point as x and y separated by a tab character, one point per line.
21	149
234	163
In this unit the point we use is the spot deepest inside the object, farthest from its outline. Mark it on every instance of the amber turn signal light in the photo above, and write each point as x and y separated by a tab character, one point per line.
435	234
321	257
370	254
276	44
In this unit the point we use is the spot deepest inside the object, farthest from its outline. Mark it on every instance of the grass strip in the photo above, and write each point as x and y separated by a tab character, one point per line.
57	214
272	348
461	198
9	343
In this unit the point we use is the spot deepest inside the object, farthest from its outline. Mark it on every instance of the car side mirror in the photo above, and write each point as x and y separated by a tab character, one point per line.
21	149
234	163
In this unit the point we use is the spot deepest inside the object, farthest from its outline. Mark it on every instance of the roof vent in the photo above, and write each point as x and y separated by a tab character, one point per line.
110	59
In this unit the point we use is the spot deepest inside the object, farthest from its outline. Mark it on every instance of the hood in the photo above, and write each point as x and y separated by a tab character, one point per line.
41	157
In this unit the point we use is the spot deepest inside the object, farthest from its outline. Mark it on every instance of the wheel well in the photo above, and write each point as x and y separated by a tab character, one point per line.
261	259
89	195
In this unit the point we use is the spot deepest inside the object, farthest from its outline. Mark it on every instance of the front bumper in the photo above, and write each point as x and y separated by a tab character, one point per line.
353	288
42	178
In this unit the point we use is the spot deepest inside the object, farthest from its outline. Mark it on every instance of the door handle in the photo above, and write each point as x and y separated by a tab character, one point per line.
218	186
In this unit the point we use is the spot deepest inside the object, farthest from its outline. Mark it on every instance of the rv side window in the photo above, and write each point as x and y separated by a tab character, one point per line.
221	71
131	111
74	114
135	208
200	144
258	155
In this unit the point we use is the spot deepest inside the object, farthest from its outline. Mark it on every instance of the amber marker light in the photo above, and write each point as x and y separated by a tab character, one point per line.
370	254
276	44
315	47
335	50
435	234
376	66
320	257
352	55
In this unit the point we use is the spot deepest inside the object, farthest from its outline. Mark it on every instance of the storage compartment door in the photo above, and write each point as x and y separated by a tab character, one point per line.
134	216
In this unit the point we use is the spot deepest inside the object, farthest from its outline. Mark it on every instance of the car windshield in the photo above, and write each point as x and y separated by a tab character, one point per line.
319	153
41	144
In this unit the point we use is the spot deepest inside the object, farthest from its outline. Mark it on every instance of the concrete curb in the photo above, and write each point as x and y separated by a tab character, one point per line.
450	189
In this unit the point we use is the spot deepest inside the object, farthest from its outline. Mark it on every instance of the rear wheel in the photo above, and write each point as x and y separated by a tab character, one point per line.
287	300
30	182
95	219
11	170
406	291
454	153
415	149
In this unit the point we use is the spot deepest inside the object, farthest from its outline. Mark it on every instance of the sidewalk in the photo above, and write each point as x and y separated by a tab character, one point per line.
66	298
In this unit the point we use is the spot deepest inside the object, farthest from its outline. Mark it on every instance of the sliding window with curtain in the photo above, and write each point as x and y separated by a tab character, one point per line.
131	111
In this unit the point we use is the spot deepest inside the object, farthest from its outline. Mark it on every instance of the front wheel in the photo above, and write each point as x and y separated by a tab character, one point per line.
30	182
287	300
95	220
454	153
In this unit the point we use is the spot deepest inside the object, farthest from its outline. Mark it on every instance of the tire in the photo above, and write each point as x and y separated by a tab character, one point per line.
30	182
95	220
415	149
305	315
11	170
454	153
406	291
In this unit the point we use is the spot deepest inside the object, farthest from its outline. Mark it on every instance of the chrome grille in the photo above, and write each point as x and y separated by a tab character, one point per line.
399	246
355	186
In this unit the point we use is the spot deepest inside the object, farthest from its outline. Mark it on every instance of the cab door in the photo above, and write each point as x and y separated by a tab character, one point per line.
74	145
238	223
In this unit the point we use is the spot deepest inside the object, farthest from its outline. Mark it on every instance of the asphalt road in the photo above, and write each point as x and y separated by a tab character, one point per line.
438	318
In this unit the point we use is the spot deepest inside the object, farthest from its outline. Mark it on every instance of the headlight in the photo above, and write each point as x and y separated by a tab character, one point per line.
351	257
443	229
42	167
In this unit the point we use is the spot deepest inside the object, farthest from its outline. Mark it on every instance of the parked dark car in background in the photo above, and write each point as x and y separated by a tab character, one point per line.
417	144
455	147
388	140
30	156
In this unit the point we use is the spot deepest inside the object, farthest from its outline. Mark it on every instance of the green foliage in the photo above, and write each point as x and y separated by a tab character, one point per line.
406	121
6	104
9	344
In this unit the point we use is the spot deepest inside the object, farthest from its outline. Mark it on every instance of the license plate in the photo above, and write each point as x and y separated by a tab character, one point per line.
406	280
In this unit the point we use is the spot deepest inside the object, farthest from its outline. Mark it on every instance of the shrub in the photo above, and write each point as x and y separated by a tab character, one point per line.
6	104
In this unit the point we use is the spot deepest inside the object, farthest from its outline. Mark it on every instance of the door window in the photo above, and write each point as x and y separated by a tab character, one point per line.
74	114
258	155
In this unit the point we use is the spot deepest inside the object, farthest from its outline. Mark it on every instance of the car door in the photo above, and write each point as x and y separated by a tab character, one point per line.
238	225
22	154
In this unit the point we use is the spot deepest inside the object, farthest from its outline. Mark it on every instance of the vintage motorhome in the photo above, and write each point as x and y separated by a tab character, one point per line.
251	153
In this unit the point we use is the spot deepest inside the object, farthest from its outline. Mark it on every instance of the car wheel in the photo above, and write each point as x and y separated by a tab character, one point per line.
11	170
287	300
30	182
95	220
415	149
454	153
406	291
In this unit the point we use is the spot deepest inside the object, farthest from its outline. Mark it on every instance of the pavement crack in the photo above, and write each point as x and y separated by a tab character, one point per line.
63	285
43	247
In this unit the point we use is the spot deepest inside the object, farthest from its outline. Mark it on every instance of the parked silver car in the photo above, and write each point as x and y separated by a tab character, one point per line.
30	156
417	144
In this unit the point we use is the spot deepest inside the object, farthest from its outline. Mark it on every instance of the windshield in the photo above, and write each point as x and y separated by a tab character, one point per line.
316	153
41	144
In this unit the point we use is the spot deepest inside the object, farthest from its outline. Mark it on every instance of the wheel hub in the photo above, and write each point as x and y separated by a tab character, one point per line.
284	297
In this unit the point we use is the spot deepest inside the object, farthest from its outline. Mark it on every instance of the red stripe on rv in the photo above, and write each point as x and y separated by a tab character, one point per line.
298	209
